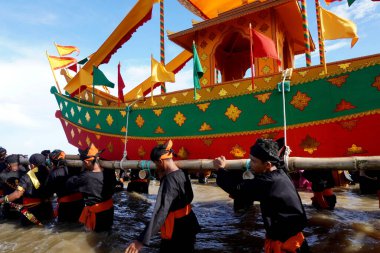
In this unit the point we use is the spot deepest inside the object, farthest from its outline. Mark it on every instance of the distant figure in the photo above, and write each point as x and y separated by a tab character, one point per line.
46	153
282	210
32	188
70	202
172	213
3	165
121	177
137	182
322	183
9	181
3	154
97	186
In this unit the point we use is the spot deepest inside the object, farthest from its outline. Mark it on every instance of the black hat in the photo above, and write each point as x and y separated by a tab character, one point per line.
89	153
266	150
45	152
37	160
12	159
3	151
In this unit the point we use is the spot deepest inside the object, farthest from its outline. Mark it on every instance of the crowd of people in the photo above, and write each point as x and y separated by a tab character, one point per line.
85	195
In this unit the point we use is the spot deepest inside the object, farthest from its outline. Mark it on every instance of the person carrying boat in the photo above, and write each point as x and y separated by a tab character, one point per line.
97	186
32	188
3	154
172	214
9	180
282	210
70	202
322	183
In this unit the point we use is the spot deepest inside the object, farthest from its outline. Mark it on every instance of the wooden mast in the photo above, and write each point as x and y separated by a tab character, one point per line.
162	41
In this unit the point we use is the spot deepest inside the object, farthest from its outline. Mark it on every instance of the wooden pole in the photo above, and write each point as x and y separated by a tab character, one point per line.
295	163
320	36
162	41
55	78
305	26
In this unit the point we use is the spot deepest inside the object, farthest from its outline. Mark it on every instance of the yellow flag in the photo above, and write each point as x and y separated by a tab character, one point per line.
335	27
66	50
60	62
160	74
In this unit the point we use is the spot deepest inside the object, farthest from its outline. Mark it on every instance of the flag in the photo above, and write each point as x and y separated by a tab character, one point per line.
159	73
197	70
66	50
334	27
120	84
83	61
350	2
73	67
57	62
100	78
264	46
328	2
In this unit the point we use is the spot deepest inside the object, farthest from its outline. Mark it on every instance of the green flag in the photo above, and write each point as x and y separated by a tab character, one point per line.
197	71
101	79
350	2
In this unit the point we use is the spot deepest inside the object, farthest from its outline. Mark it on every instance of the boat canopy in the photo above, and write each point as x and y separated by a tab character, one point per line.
212	8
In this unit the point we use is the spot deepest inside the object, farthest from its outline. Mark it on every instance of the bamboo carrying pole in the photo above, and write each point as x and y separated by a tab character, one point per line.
295	163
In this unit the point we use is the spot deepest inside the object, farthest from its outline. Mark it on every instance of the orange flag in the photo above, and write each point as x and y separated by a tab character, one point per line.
61	62
66	50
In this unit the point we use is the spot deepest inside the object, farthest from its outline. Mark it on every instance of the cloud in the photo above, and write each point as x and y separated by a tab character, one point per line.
27	14
361	11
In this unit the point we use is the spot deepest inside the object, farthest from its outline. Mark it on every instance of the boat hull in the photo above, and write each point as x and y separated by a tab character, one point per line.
331	115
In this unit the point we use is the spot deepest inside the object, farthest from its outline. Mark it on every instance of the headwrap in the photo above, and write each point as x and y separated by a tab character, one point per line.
45	152
37	160
266	150
3	151
162	151
57	155
89	153
11	159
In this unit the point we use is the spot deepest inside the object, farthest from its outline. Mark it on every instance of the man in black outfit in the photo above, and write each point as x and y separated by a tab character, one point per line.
282	210
172	213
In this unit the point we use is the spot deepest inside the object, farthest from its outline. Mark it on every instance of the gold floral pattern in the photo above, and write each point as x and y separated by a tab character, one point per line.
183	153
263	98
109	119
338	81
88	141
97	112
269	135
376	84
203	107
207	142
157	112
233	112
179	119
349	125
159	130
266	120
123	113
300	100
204	81
303	73
309	144
141	152
140	121
205	127
344	66
110	147
355	150
223	92
266	69
237	151
98	126
87	116
173	100
123	129
344	105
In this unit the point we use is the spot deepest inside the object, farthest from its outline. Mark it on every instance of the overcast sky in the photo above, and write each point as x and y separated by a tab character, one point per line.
29	28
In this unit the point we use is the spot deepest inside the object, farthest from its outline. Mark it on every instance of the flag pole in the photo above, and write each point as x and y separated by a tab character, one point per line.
306	34
320	36
151	82
162	41
195	89
52	70
251	50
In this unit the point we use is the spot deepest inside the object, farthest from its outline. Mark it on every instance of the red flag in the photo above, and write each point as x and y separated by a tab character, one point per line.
263	46
120	84
73	67
328	2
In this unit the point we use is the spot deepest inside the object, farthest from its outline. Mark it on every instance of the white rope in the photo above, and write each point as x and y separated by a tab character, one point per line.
125	152
287	149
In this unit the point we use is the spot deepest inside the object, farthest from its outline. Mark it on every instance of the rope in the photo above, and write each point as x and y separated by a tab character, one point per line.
287	149
125	152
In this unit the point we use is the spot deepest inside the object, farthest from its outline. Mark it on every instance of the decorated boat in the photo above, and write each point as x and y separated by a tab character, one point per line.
326	110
